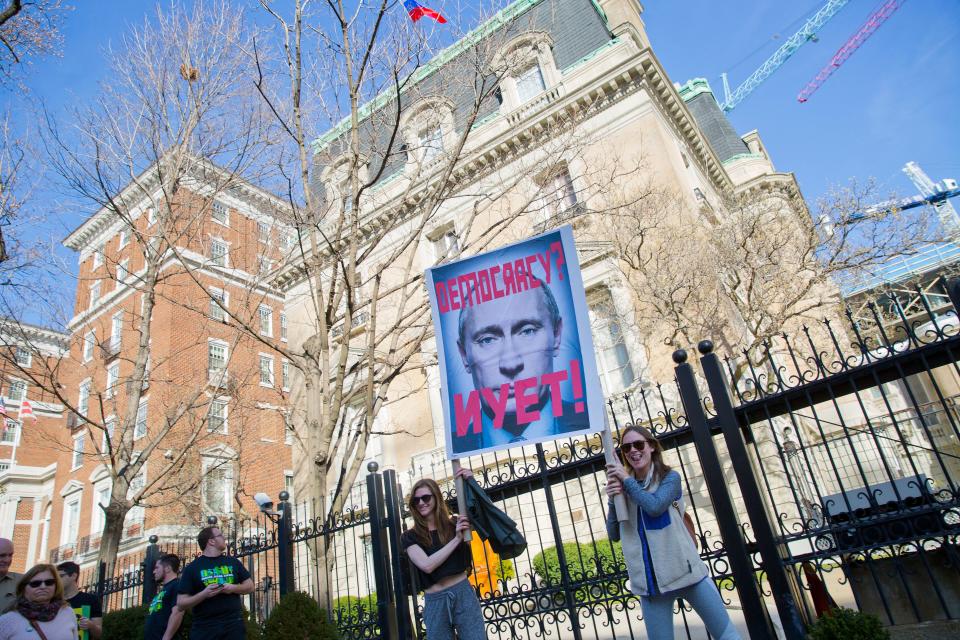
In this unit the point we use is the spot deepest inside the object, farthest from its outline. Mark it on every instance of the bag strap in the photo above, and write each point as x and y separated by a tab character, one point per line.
36	627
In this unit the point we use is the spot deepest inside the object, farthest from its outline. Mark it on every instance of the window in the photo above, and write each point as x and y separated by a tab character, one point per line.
263	232
109	428
101	498
218	212
17	391
288	484
124	238
83	399
285	375
123	270
116	329
283	326
431	143
89	342
11	431
446	244
22	357
113	378
216	359
613	363
530	83
151	215
94	293
559	194
217	310
217	419
71	520
140	426
264	265
266	371
218	252
218	486
98	256
265	315
76	459
286	240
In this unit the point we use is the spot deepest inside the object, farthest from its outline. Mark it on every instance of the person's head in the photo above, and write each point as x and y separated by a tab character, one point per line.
166	567
428	508
40	584
69	574
211	539
638	450
511	338
6	555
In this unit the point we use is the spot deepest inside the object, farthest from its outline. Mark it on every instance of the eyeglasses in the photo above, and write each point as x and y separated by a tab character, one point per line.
627	447
49	582
424	499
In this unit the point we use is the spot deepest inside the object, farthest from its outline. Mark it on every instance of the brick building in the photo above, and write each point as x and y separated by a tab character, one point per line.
169	370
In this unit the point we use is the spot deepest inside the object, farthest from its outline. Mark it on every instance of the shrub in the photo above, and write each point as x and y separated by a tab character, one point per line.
124	624
298	617
584	560
505	570
847	624
351	610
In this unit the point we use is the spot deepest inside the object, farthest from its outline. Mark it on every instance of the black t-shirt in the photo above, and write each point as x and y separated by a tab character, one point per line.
158	614
459	561
86	605
205	571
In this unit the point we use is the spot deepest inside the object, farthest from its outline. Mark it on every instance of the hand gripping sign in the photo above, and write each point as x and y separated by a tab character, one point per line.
516	356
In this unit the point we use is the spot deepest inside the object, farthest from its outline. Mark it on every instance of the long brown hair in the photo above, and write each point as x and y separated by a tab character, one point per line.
444	521
36	570
660	468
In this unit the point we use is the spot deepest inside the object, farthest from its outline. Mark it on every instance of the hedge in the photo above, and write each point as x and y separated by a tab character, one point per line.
127	624
585	560
847	624
352	610
298	617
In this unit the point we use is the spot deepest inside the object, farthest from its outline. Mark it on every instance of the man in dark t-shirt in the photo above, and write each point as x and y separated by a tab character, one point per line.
164	616
85	606
211	586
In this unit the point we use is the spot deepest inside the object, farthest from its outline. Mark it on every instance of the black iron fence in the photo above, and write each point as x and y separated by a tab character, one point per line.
819	468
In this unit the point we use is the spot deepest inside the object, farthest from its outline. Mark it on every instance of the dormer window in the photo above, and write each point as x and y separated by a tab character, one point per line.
530	83
427	129
431	143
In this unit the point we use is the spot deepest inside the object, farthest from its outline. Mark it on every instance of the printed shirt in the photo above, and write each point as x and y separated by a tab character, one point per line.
158	614
205	571
86	605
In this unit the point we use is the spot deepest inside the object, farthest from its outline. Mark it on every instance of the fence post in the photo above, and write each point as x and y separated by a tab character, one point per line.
102	581
754	610
771	553
149	562
285	545
393	500
386	603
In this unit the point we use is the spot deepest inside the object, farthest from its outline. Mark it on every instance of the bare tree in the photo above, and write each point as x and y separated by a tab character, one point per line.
755	264
141	156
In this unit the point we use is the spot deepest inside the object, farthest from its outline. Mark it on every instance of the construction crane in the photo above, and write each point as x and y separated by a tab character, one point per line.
806	33
868	28
936	194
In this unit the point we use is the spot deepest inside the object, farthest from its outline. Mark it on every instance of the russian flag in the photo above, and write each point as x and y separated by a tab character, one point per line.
417	11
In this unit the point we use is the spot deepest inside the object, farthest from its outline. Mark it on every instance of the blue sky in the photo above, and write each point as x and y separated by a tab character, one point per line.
895	100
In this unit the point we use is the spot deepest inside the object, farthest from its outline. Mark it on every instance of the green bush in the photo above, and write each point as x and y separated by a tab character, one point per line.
505	570
125	624
584	560
298	617
351	610
847	624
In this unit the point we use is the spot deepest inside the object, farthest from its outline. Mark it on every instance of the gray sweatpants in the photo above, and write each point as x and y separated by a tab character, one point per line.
452	608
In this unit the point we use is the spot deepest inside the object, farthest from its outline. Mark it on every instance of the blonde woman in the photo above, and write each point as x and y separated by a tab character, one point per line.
661	557
436	548
41	613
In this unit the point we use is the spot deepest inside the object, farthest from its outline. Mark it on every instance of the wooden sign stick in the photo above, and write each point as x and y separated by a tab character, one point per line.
461	498
610	454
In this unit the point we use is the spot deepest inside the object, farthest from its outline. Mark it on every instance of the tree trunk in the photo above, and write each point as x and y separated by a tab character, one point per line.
113	530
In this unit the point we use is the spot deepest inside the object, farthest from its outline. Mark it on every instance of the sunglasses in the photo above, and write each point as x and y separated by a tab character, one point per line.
415	500
627	447
49	582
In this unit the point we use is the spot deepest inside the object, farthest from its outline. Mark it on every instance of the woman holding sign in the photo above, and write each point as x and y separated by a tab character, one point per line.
661	557
437	549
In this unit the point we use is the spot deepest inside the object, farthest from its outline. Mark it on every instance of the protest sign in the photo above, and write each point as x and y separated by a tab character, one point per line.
513	337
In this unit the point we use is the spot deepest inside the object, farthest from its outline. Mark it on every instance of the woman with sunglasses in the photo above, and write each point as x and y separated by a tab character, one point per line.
436	548
661	557
41	612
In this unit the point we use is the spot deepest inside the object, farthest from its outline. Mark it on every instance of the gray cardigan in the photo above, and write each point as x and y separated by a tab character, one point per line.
676	562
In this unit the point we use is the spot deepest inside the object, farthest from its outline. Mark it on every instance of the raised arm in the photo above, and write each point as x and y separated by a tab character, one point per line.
429	563
656	502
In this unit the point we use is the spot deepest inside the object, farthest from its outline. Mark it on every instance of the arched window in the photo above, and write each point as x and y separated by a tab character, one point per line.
527	68
427	131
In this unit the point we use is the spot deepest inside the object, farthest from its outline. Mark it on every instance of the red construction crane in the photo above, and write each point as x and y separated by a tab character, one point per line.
876	19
